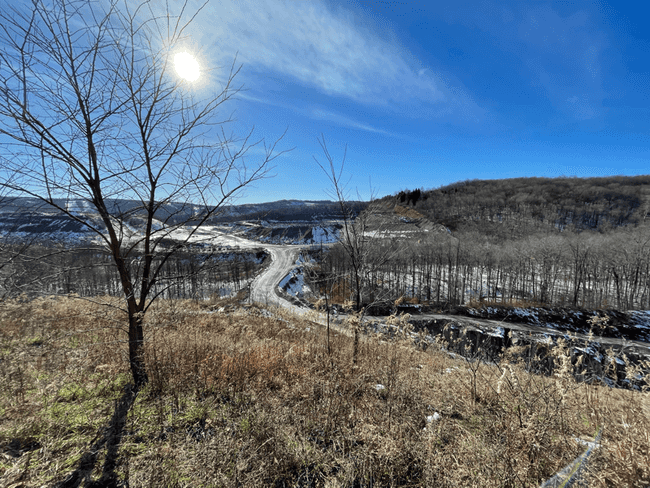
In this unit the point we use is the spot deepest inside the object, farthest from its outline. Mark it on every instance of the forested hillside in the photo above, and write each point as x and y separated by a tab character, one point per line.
556	242
521	206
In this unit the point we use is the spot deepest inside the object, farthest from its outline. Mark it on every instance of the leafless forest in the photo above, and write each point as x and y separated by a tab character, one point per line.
195	272
557	242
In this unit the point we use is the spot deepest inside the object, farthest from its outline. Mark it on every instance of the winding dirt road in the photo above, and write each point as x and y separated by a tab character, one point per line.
283	260
264	289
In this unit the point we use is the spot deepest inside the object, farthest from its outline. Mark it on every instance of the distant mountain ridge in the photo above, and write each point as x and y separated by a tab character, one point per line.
496	209
25	216
286	210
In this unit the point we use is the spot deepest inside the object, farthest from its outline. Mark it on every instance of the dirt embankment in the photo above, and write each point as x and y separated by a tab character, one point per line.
391	219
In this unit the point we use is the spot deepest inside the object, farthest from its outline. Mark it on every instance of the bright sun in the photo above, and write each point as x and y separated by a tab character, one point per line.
186	66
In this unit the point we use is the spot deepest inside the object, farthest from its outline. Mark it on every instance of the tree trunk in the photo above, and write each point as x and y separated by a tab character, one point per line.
136	346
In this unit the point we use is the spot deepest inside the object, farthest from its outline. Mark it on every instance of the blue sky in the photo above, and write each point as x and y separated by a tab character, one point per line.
428	93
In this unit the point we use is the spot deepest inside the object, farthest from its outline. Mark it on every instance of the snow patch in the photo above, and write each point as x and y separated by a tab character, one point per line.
498	332
294	284
434	417
324	235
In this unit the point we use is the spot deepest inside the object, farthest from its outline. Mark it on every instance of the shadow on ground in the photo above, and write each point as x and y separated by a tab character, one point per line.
109	438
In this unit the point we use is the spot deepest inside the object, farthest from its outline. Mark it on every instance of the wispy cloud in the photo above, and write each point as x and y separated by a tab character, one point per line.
345	121
317	113
332	51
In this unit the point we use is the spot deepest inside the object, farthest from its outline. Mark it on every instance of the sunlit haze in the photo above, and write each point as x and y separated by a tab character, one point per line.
186	66
428	93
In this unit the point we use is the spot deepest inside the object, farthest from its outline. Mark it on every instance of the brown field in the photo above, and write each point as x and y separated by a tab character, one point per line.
251	397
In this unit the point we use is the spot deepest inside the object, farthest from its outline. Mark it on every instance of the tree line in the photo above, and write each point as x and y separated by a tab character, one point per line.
39	270
611	271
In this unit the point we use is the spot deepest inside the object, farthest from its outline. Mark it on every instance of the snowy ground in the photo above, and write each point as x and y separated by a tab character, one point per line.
294	283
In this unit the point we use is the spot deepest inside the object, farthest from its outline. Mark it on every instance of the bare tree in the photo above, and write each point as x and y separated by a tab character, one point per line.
359	229
92	113
353	237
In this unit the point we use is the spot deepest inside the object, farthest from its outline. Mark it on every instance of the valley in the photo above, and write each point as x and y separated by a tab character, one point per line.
484	316
435	272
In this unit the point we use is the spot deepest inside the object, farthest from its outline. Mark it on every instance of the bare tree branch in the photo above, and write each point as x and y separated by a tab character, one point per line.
91	110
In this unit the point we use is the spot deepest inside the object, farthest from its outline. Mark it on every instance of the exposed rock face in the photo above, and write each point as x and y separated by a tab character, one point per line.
384	218
590	361
633	325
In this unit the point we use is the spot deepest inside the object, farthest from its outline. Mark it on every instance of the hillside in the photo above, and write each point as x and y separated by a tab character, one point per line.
533	241
247	396
521	206
285	211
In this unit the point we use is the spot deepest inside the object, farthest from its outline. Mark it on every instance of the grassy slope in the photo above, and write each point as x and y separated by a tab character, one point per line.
249	397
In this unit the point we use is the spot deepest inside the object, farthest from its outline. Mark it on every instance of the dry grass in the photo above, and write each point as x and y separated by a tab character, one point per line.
250	397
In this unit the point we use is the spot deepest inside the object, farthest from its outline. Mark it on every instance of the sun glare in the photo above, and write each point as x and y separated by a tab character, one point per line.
186	66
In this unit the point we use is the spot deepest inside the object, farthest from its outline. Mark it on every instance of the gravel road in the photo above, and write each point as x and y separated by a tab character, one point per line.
263	289
283	258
